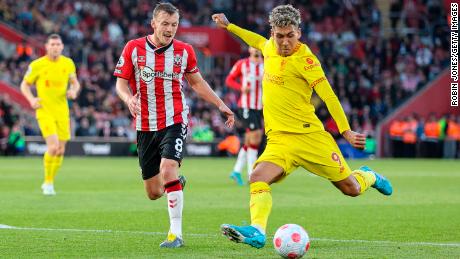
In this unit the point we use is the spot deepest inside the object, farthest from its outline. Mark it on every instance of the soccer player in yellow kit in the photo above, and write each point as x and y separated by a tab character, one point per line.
51	75
295	135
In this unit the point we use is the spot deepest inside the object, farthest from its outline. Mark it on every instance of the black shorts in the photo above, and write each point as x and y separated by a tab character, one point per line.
251	118
152	146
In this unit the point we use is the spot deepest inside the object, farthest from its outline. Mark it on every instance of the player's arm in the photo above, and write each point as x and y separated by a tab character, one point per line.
252	39
316	79
28	81
202	88
325	92
75	87
124	71
232	78
25	90
132	101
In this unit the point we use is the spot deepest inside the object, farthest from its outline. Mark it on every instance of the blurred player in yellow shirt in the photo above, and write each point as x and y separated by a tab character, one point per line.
51	75
295	135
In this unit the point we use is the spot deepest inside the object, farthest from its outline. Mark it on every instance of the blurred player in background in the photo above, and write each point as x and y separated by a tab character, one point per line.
246	77
295	136
154	67
51	75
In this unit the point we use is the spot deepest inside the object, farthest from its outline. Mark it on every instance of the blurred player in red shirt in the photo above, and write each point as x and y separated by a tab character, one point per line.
246	76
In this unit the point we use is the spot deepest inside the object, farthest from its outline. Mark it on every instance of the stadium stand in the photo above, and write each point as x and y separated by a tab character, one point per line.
373	65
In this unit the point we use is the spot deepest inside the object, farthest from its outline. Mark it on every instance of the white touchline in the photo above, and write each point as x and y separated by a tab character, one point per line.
379	242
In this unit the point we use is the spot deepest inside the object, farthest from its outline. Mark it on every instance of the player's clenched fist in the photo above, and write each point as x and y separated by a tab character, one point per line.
220	19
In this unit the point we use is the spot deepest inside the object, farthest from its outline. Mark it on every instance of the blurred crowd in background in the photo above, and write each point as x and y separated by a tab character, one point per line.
434	137
373	68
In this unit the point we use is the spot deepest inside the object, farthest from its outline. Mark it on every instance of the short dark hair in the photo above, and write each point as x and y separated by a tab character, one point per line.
53	36
165	7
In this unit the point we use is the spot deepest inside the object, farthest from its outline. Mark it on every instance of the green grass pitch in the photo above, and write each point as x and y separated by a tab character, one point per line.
101	211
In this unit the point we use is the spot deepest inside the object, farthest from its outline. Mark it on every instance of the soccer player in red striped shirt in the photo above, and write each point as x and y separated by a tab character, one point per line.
150	75
246	76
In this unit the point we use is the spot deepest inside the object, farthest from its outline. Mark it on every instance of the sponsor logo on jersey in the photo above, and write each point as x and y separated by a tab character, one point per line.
283	64
306	68
147	74
274	79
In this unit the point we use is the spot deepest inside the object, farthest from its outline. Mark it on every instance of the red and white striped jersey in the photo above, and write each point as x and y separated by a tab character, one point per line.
250	74
157	74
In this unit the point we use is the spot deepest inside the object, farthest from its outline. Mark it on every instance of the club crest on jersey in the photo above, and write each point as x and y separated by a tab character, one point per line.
177	60
141	59
147	74
121	61
283	64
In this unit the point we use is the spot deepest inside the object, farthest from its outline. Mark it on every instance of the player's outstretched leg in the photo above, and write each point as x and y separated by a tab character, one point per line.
260	207
382	184
244	234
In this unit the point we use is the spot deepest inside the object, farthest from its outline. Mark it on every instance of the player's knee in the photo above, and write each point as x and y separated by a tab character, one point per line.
352	190
155	194
53	150
254	142
256	176
60	151
168	166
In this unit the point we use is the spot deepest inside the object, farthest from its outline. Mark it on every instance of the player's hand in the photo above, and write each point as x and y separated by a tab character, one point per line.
134	105
221	20
72	94
35	103
357	140
229	114
245	89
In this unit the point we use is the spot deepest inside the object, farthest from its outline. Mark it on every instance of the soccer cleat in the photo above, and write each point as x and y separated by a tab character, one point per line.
182	181
235	176
172	241
382	184
48	189
245	234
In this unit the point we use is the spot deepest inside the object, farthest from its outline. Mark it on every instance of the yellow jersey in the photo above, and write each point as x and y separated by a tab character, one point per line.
51	79
288	84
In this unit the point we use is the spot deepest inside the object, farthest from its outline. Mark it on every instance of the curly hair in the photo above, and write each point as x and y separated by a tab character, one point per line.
284	15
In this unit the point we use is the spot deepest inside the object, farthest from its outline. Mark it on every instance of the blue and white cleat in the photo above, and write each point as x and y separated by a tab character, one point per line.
172	241
382	184
245	234
235	176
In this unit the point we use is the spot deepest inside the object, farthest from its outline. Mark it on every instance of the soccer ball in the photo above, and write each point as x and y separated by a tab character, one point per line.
291	241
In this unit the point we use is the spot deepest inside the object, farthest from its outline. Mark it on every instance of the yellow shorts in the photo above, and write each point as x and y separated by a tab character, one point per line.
50	126
317	152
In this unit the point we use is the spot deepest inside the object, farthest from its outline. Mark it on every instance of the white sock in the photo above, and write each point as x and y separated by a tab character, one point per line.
252	157
240	161
175	205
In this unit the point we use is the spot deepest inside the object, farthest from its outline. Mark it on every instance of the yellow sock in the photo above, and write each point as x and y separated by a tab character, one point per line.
56	165
48	163
365	179
260	204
